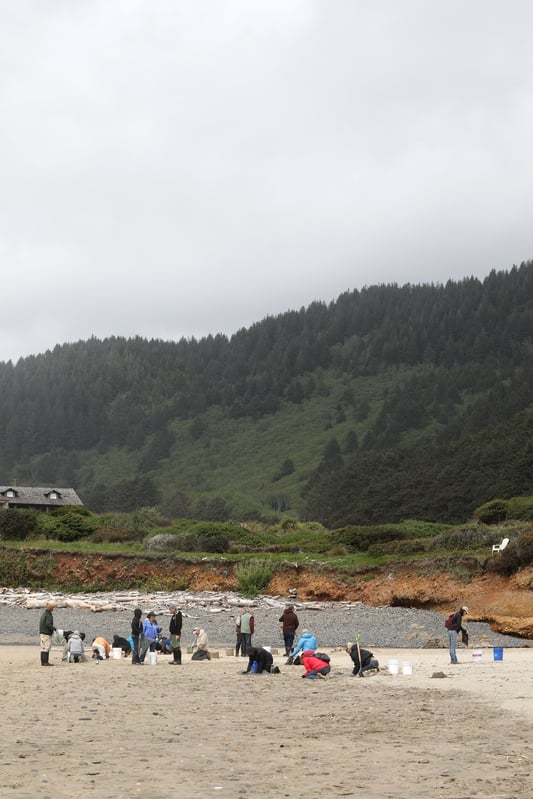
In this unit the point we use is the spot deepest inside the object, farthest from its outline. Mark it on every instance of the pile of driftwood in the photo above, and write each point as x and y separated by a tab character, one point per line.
157	601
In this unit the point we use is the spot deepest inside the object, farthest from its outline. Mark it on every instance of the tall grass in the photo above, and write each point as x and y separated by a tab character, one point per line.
253	577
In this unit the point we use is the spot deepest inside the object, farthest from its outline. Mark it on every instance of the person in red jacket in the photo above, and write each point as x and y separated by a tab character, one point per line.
313	666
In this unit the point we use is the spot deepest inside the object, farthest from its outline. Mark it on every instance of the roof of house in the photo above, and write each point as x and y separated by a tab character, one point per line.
29	495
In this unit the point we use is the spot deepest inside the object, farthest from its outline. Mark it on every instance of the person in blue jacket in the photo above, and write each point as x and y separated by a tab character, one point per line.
151	630
306	641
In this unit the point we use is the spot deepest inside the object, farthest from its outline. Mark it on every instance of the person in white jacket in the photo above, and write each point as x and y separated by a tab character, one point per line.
201	645
75	651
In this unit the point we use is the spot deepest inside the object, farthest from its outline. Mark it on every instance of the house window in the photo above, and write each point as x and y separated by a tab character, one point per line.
52	495
10	493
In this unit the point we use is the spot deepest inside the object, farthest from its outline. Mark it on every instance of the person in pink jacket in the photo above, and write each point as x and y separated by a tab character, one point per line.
313	666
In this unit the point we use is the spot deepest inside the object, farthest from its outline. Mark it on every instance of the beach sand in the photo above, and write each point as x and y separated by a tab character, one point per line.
204	729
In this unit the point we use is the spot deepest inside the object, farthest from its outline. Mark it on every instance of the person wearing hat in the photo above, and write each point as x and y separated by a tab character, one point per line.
201	646
174	628
455	626
289	625
151	630
46	631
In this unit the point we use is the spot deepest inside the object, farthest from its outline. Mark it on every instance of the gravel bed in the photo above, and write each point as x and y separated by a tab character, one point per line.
333	623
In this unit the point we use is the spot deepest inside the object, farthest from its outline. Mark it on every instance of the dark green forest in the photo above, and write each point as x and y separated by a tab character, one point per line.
390	403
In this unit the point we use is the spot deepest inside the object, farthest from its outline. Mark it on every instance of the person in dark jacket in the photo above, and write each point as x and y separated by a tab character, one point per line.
367	658
456	626
46	631
121	643
289	625
136	635
263	658
174	628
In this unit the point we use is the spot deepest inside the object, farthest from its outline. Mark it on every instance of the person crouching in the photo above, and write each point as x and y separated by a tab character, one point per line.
314	667
262	659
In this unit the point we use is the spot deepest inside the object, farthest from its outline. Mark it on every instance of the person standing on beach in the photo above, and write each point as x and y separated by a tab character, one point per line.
174	628
136	636
289	625
247	630
239	648
151	630
454	625
46	631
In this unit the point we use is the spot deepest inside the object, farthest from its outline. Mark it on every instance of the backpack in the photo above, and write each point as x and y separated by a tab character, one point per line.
449	622
322	656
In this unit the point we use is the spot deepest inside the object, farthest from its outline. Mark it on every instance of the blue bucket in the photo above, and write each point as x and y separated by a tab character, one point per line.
498	652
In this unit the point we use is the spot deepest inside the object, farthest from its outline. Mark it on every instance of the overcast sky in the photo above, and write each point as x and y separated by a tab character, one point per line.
175	168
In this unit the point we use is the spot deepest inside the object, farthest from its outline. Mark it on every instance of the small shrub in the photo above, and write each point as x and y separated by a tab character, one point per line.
16	525
516	555
213	543
396	548
67	526
494	512
112	535
359	539
157	582
253	577
468	536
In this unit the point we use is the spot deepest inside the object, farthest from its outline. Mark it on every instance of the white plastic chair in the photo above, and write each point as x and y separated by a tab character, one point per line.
500	547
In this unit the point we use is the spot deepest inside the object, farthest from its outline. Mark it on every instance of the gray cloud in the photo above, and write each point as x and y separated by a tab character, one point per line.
180	168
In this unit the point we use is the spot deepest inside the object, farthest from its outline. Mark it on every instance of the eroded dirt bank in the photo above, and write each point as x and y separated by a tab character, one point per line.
505	603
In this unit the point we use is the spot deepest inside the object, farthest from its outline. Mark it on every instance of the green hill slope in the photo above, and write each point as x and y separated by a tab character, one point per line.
390	403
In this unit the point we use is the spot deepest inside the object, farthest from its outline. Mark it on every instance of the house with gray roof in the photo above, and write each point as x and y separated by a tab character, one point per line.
43	499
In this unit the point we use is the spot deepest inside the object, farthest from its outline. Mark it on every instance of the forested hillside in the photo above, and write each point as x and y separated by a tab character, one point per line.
392	402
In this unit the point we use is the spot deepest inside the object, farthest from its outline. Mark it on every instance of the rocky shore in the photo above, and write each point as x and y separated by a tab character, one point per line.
334	623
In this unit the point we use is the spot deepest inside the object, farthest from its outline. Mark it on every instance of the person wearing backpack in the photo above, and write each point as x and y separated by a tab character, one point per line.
454	625
314	666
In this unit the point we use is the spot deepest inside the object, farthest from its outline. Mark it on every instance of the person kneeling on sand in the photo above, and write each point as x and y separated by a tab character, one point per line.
201	645
368	660
101	648
262	659
75	651
314	667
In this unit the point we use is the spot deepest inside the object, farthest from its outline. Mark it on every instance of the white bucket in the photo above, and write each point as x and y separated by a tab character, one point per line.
116	653
477	655
407	668
152	658
394	667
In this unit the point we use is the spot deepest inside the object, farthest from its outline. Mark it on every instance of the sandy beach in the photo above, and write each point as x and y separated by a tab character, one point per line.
204	729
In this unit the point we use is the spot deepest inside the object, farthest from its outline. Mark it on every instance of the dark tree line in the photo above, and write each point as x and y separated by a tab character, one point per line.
446	438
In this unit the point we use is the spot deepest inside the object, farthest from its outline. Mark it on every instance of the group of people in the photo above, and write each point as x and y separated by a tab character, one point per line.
145	635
